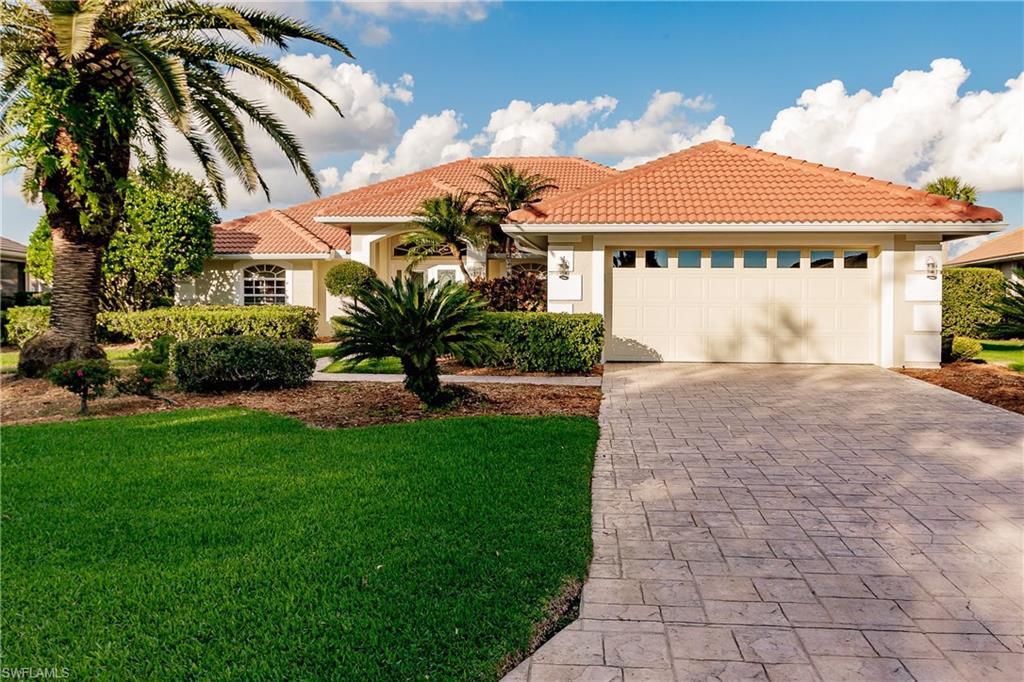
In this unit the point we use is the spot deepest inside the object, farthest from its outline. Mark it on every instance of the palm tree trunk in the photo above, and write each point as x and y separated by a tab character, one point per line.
454	248
73	306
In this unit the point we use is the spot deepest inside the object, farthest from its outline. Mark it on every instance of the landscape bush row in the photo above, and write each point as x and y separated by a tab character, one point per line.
180	322
968	297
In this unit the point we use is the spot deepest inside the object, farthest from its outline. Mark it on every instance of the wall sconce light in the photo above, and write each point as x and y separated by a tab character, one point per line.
563	268
932	268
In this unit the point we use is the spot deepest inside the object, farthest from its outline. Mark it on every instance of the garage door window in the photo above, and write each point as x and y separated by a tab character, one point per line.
755	259
823	259
722	259
689	258
855	260
623	259
656	259
784	260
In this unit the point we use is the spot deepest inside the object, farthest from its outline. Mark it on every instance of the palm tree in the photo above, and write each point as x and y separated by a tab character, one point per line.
952	187
87	83
448	222
509	189
416	323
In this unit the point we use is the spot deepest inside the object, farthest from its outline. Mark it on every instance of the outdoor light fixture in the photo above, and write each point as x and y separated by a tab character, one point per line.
563	268
932	268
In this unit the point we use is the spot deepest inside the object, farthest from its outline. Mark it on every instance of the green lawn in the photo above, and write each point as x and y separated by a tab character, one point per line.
119	354
1004	352
375	366
229	543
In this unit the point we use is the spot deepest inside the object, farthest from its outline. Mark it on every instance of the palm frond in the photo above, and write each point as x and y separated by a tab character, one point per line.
278	29
161	74
73	23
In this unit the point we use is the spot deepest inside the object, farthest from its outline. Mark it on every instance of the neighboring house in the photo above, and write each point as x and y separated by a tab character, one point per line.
1004	252
715	253
13	277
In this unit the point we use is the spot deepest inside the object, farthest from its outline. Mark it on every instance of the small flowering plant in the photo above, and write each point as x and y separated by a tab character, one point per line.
84	378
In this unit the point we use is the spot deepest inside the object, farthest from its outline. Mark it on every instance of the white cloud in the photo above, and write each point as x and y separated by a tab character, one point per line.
369	122
663	128
375	35
473	10
915	130
432	140
521	129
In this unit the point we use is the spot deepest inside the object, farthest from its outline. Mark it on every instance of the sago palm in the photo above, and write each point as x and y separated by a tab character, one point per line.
87	83
508	190
416	323
953	188
447	223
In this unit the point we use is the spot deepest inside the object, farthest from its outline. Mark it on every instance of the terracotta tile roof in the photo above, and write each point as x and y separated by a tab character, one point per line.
401	196
291	230
294	230
1002	247
720	182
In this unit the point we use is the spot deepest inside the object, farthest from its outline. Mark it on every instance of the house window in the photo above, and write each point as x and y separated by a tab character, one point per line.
623	259
787	259
689	258
855	260
823	259
264	284
444	275
656	259
755	259
722	259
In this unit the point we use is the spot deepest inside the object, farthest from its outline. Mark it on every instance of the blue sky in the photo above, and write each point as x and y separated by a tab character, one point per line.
621	82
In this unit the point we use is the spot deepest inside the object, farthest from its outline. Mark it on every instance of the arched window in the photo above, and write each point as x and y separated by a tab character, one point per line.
263	284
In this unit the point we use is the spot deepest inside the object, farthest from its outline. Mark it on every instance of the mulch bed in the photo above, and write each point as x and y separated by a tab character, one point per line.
451	366
991	384
328	405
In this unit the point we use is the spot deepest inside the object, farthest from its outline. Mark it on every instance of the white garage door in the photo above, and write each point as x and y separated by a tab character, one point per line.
743	305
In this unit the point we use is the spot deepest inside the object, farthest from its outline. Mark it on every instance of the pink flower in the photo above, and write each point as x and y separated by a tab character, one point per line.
80	373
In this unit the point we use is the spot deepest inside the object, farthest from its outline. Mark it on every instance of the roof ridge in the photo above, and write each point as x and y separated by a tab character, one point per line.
301	231
895	188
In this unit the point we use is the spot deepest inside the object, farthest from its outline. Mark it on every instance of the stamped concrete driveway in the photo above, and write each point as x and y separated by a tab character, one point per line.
798	523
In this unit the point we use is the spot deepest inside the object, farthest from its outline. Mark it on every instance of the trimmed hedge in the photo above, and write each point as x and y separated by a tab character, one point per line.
181	322
25	322
966	293
964	348
242	362
547	342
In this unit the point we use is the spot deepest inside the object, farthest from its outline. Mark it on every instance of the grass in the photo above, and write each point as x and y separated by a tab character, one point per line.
374	366
119	355
229	543
1003	352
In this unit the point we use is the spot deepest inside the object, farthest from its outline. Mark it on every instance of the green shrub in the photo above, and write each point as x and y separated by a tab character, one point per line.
965	348
25	322
242	362
518	291
349	278
967	294
84	378
149	371
547	342
205	321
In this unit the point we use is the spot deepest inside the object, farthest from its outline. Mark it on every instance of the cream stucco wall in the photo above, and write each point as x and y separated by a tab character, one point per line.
907	305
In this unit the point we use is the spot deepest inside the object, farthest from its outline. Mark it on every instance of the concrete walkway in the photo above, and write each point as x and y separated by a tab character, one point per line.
322	363
798	523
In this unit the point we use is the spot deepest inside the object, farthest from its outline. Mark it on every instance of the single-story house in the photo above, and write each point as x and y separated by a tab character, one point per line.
717	253
1004	252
